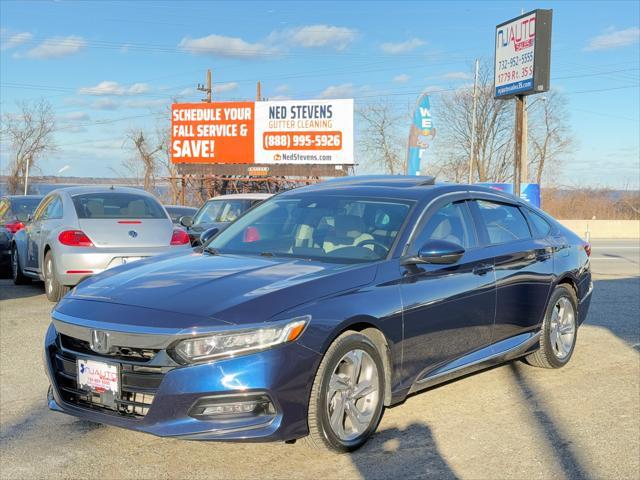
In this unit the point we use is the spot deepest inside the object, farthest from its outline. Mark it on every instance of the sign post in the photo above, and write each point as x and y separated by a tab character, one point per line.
522	67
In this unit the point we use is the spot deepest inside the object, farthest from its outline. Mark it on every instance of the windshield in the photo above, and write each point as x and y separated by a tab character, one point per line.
329	228
117	205
221	211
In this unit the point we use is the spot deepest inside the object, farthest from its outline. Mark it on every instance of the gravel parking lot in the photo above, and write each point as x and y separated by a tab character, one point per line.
513	421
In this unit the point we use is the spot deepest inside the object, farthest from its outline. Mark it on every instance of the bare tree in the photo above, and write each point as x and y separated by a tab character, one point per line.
144	162
493	133
163	135
549	134
383	141
30	133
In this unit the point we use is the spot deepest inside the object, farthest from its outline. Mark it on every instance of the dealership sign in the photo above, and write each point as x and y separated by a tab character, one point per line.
523	54
284	132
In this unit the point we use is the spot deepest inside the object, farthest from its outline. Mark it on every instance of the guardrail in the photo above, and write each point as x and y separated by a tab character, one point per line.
589	229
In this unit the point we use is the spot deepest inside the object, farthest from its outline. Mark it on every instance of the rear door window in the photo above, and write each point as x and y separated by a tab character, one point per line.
117	205
503	222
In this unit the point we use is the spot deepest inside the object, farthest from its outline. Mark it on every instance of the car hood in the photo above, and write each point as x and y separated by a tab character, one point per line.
203	289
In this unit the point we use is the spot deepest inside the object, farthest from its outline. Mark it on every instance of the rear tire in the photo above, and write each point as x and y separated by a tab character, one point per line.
559	330
18	277
347	397
52	287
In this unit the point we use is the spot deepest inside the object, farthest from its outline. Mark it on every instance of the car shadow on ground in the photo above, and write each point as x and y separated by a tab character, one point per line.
9	291
411	452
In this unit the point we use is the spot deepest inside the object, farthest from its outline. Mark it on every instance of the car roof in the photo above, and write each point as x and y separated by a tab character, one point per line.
18	197
244	196
394	186
180	206
84	189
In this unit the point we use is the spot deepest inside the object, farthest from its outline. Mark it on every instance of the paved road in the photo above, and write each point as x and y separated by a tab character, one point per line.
513	421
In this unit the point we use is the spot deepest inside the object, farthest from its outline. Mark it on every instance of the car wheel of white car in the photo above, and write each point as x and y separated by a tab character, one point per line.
52	287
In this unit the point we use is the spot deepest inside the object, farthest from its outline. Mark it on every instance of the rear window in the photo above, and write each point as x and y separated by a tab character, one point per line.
21	208
117	205
504	223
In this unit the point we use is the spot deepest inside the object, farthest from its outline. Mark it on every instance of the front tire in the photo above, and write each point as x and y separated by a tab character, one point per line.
18	277
53	288
559	330
347	397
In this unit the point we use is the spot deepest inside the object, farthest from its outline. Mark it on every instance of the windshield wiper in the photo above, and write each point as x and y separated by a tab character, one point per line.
267	254
212	251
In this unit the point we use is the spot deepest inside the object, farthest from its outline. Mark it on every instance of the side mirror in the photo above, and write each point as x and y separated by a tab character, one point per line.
186	221
208	235
438	252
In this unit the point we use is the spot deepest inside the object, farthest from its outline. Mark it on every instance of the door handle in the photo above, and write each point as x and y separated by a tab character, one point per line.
482	269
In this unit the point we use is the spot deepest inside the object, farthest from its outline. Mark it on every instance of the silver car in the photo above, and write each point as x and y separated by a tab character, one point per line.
80	231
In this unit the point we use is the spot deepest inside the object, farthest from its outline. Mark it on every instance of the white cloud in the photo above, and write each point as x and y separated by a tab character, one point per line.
402	78
614	39
313	36
222	46
186	92
402	47
76	116
277	98
156	102
109	87
284	88
56	47
456	76
345	90
225	87
15	40
105	104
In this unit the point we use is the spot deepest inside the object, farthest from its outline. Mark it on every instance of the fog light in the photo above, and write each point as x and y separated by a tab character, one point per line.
226	407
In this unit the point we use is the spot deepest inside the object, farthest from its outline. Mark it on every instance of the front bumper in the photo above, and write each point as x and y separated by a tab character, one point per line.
284	374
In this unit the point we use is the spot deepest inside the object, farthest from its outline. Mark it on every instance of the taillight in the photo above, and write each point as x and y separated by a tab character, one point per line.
14	226
74	238
179	237
587	248
251	234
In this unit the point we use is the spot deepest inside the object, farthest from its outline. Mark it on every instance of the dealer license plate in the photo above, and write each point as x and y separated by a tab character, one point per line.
130	259
98	377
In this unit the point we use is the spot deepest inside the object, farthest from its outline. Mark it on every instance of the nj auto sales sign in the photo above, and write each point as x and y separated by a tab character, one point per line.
293	132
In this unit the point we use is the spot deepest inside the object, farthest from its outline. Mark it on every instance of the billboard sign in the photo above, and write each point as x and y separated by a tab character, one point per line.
302	132
529	192
523	55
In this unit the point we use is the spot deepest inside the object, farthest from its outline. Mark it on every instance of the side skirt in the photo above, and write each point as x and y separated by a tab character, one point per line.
503	351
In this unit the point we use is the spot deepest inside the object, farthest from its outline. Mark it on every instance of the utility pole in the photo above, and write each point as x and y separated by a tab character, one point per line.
524	167
258	92
520	129
26	175
472	153
206	89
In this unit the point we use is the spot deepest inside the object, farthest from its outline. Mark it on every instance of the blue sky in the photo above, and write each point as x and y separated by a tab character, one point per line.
109	66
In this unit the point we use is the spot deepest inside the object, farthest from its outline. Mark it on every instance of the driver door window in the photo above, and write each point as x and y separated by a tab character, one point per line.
451	223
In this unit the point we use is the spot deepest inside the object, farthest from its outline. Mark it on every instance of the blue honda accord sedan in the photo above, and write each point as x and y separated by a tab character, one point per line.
316	310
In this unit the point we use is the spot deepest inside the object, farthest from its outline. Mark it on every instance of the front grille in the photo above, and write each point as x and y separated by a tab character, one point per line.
138	386
120	353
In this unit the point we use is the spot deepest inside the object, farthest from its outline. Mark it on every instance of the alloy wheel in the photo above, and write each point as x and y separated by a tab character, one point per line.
563	328
353	395
48	275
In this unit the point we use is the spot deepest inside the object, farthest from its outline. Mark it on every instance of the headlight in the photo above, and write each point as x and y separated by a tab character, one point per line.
229	344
